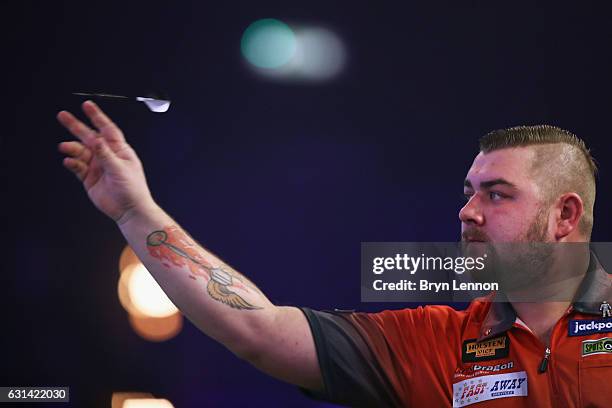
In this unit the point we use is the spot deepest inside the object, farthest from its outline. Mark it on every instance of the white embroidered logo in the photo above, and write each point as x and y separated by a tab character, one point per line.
489	387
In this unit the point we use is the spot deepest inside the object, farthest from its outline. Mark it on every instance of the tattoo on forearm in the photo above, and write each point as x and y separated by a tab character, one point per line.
173	245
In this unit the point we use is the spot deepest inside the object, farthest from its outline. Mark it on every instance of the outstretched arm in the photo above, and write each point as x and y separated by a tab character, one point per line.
220	301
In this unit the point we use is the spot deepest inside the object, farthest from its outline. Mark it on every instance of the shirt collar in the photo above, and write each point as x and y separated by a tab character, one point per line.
594	289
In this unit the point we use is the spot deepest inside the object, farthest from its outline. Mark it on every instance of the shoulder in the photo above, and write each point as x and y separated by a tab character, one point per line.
421	317
404	326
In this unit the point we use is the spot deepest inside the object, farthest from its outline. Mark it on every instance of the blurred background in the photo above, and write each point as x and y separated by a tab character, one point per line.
297	130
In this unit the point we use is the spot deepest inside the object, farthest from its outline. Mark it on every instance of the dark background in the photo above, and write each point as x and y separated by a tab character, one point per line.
282	180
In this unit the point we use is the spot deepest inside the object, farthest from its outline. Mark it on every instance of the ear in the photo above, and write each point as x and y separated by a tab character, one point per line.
569	212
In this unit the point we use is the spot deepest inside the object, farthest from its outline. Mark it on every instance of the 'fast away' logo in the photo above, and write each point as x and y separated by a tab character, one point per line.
504	385
489	387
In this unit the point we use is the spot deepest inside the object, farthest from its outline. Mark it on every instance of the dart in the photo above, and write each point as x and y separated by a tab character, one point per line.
154	104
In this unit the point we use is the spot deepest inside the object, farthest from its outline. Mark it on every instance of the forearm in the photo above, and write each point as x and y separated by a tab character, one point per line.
218	300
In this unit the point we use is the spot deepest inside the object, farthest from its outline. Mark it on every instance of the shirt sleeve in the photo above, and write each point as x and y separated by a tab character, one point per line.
386	359
352	375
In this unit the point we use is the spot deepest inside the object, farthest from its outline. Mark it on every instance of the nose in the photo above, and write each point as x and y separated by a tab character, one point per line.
471	212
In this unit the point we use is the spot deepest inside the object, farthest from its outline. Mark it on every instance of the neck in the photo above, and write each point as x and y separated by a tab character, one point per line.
541	317
554	297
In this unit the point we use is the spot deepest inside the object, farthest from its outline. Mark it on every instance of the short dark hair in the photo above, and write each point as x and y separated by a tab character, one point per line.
559	153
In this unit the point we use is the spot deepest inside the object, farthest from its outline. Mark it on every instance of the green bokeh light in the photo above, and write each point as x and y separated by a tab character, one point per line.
268	43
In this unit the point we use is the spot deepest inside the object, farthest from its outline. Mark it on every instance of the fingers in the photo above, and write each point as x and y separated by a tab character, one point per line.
80	157
95	114
105	155
76	150
77	167
102	122
76	127
94	143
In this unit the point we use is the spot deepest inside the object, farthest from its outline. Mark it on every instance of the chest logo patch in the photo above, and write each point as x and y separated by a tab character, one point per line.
601	346
590	326
477	369
491	349
488	387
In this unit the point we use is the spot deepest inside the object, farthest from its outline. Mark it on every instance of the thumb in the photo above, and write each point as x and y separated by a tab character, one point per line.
103	153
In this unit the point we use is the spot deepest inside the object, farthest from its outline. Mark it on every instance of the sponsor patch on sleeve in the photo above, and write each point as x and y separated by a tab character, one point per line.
490	387
589	326
490	349
600	346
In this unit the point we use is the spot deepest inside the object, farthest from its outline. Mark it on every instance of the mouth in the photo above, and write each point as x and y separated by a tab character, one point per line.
472	239
473	236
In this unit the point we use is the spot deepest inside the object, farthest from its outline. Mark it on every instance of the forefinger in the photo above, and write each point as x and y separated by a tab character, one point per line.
76	127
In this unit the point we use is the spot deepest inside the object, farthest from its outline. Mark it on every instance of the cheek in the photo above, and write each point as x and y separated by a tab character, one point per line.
505	225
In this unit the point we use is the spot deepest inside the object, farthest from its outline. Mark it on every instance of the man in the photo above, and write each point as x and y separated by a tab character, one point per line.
526	184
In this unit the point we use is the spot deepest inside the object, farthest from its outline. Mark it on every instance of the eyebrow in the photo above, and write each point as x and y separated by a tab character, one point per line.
490	183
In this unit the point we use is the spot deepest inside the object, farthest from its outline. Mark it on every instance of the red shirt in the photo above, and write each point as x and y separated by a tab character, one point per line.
483	356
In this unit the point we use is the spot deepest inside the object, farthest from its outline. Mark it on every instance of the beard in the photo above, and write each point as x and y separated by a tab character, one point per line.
537	229
530	262
522	265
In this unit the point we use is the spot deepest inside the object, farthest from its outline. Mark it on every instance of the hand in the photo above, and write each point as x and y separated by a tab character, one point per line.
110	170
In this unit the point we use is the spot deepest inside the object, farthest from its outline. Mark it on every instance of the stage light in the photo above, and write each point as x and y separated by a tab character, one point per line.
268	43
320	54
157	328
123	292
147	403
118	398
127	258
150	313
146	295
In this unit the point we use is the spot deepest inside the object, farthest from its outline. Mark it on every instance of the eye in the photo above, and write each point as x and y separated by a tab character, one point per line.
495	196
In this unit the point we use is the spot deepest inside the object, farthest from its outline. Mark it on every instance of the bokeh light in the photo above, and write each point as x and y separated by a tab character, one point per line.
123	292
127	258
318	54
268	43
157	329
146	294
147	403
119	397
150	312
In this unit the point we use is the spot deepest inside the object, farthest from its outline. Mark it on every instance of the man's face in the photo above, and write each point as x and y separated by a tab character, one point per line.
504	202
